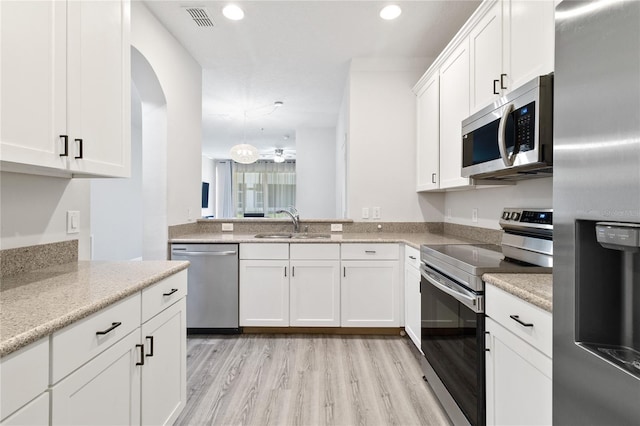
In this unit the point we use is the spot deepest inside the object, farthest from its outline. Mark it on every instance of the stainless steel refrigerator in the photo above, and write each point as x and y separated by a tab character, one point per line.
596	207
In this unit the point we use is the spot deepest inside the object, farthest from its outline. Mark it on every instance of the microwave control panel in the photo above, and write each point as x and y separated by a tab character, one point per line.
524	118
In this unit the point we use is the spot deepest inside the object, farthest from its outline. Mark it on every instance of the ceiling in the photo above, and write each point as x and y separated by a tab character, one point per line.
297	52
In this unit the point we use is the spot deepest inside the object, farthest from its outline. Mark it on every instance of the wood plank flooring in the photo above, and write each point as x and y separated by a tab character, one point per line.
258	379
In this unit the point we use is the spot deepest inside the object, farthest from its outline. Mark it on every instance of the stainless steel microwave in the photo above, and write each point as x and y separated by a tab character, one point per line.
512	138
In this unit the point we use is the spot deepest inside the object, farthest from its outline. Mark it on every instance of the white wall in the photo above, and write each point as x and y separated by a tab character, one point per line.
33	210
116	204
342	134
491	201
381	142
316	172
180	77
209	175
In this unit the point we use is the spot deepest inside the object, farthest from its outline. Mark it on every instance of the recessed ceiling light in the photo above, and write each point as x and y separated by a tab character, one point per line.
391	11
233	12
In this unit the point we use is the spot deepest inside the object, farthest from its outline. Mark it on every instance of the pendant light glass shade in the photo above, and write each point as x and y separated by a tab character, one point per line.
244	153
279	157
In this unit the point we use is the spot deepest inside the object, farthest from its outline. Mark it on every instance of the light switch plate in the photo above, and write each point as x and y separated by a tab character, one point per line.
365	212
376	212
73	222
227	226
336	227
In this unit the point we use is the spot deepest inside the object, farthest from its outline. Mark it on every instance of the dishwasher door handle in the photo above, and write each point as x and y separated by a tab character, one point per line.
203	253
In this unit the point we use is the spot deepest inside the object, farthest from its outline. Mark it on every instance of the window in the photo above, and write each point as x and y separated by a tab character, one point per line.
263	187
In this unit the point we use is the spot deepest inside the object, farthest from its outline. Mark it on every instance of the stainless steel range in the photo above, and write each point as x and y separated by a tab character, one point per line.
452	293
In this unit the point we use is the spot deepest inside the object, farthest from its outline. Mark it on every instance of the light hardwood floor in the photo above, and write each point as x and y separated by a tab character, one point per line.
257	379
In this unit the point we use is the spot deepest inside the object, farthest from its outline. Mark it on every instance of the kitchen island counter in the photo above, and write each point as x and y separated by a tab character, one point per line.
37	303
536	289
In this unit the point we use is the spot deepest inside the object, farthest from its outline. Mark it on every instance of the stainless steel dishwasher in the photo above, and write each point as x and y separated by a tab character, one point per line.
212	287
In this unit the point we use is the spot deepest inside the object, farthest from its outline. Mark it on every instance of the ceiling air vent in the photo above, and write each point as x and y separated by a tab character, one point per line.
199	16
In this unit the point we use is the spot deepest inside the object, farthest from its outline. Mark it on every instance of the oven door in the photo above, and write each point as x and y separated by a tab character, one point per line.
453	345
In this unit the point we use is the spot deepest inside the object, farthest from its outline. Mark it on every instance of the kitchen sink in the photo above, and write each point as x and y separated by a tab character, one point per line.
311	236
273	235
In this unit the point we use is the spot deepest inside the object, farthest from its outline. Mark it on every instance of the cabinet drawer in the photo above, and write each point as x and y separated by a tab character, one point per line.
315	251
25	375
163	294
77	343
265	251
370	251
503	307
411	257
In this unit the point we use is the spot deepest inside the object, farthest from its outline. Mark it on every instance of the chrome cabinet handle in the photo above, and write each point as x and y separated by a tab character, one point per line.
433	178
517	319
412	257
370	251
114	325
173	290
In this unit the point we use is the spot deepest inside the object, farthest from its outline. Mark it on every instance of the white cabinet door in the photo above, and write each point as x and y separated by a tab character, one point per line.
370	294
428	135
315	293
34	413
486	59
529	29
519	380
264	293
454	107
99	84
104	391
33	75
412	307
164	371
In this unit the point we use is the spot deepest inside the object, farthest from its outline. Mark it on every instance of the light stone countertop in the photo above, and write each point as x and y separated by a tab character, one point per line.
37	303
536	289
412	239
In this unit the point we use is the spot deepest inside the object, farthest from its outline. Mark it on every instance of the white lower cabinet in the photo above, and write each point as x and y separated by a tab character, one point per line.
264	293
315	293
518	372
412	298
106	390
123	365
24	377
370	288
34	413
165	371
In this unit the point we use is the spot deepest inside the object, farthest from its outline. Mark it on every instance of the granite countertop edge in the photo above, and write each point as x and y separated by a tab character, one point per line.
536	289
411	239
34	334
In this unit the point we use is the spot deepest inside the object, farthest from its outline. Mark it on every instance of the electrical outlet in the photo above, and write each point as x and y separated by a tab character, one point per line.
365	212
336	227
227	226
376	212
73	222
474	215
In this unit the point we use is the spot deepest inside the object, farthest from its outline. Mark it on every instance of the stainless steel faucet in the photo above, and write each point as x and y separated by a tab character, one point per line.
293	214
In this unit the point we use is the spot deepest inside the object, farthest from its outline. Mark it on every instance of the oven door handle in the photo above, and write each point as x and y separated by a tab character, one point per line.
472	302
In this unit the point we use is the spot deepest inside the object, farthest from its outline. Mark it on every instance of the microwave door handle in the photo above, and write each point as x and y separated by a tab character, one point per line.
502	138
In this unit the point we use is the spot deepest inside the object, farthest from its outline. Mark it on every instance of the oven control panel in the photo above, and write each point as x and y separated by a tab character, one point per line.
527	218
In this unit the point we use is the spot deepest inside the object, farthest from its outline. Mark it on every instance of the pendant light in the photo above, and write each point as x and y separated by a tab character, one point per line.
244	153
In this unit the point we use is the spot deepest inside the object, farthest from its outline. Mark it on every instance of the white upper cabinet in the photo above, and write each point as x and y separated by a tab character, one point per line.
503	45
65	88
33	75
529	40
486	58
454	107
428	148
